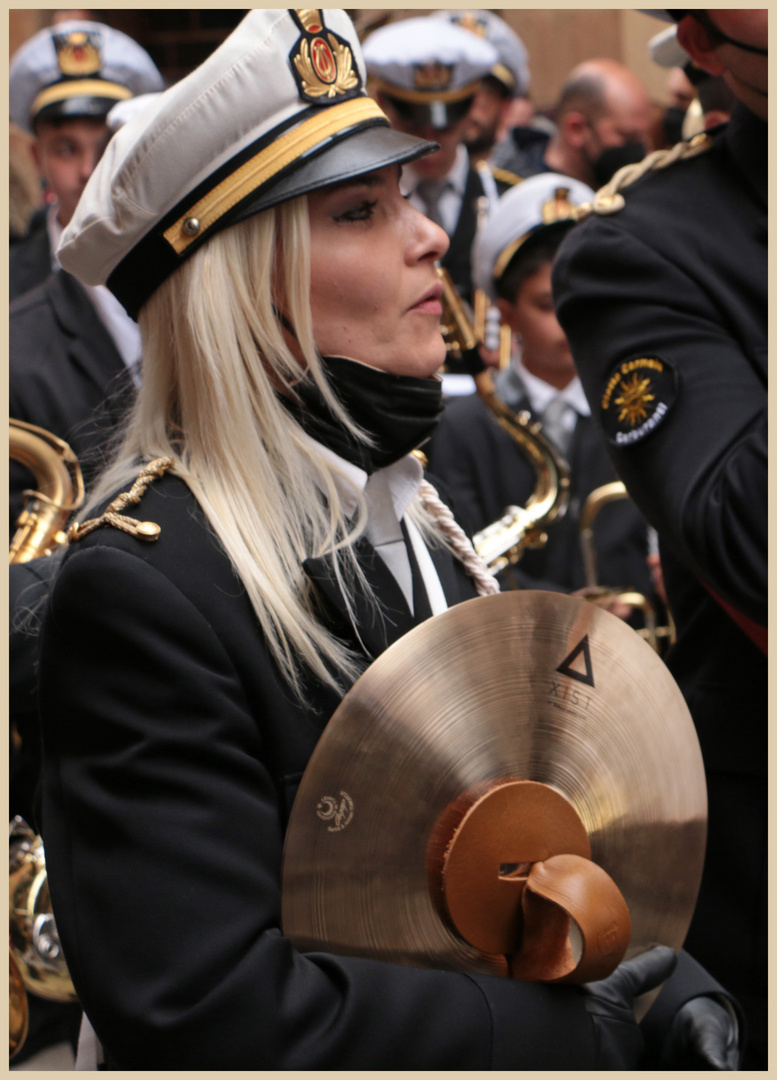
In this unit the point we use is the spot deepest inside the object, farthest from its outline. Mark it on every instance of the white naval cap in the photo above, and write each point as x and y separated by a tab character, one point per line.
77	69
666	51
127	110
277	110
429	68
526	210
512	66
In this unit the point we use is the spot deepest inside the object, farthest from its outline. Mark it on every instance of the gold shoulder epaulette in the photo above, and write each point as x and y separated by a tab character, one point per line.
143	530
608	200
504	176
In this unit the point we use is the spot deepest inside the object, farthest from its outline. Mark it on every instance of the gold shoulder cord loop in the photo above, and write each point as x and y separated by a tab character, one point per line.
608	200
142	530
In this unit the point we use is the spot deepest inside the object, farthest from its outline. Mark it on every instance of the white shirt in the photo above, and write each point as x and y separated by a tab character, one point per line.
388	493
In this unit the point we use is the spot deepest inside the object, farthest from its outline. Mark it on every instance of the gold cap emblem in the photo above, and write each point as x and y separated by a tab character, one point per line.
559	208
322	61
432	76
78	52
468	20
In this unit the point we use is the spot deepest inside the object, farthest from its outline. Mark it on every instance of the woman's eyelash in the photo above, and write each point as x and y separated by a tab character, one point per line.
362	212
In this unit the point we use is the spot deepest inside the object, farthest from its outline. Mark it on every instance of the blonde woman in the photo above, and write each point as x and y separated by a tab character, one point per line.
263	534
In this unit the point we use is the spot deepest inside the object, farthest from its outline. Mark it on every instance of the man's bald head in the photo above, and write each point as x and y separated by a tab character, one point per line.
603	106
598	88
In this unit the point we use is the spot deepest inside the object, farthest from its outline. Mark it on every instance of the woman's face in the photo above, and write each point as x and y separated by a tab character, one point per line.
374	289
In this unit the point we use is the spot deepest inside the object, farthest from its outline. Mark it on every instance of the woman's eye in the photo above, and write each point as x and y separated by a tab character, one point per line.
362	212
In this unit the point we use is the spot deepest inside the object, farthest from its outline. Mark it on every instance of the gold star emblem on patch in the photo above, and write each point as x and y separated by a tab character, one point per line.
633	400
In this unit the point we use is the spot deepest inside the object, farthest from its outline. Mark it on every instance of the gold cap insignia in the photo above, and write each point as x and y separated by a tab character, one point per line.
78	52
637	397
432	76
468	20
322	61
559	208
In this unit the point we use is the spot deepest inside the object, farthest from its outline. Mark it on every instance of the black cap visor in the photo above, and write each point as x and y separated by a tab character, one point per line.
346	156
436	114
351	152
75	108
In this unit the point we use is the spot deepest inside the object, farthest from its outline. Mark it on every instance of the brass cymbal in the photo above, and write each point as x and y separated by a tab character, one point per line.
529	686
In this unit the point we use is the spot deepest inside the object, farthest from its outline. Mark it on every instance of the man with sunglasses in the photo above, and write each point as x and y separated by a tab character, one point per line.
662	293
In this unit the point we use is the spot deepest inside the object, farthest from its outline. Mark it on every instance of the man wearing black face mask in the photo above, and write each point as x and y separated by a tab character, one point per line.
603	121
662	293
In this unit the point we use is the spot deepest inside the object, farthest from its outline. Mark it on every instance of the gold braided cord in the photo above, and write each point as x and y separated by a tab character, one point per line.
608	199
142	530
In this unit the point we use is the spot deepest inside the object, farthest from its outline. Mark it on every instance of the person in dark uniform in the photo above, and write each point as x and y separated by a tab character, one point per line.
63	82
426	73
273	534
504	92
663	295
603	121
71	347
482	467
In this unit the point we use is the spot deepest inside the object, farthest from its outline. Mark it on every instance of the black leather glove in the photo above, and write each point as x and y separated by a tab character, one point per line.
610	1003
704	1035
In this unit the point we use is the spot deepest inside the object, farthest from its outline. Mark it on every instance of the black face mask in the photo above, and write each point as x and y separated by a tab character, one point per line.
614	158
400	412
672	124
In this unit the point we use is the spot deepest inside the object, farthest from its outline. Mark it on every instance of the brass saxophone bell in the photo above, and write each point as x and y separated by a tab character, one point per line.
40	528
35	950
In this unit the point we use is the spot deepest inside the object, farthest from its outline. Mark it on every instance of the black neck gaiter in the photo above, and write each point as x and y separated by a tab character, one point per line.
400	412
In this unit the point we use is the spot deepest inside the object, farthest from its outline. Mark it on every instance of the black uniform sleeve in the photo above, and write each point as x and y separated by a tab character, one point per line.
164	840
699	476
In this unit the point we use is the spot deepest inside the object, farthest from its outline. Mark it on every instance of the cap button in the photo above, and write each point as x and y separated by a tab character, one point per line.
191	226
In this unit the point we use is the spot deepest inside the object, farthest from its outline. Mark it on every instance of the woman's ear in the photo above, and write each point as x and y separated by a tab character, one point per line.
693	38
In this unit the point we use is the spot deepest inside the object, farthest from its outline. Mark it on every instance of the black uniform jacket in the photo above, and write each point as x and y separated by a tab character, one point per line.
172	751
66	374
30	260
678	276
485	471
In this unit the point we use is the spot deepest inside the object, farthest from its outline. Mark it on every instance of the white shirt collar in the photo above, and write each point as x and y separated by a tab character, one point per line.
540	393
403	479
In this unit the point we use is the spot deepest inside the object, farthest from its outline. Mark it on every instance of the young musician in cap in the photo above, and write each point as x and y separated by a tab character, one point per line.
426	73
274	535
663	294
482	467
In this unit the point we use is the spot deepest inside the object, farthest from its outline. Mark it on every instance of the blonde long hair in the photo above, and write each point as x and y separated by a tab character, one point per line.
214	356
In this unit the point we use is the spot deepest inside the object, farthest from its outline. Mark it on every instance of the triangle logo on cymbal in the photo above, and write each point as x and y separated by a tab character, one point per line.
580	657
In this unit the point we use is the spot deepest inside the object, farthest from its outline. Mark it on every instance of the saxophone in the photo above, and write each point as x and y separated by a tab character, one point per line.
35	957
39	529
502	544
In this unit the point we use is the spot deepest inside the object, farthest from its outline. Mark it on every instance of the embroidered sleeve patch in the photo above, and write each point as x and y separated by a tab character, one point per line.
637	397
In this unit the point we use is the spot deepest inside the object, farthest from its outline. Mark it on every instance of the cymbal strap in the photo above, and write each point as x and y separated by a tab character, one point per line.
576	924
